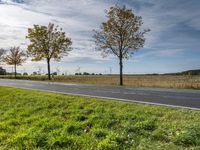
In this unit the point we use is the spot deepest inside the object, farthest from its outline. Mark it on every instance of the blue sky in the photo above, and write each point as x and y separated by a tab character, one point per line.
172	45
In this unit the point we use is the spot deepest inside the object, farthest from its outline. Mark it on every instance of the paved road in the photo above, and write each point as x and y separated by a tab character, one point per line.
171	97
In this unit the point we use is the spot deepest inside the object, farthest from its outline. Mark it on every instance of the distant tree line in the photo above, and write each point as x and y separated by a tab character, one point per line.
86	73
188	72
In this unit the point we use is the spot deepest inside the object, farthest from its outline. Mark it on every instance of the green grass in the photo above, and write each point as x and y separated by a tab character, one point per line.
42	120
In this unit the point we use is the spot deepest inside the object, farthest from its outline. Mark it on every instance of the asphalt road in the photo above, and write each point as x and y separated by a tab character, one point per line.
170	97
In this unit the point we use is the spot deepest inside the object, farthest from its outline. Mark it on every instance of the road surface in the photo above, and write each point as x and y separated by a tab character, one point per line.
170	97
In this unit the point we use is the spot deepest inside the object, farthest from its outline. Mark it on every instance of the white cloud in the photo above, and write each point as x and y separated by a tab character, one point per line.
73	16
79	17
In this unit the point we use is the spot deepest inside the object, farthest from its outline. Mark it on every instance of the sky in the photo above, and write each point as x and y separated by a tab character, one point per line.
172	45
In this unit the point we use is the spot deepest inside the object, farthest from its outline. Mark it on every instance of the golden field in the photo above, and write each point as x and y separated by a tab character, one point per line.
160	81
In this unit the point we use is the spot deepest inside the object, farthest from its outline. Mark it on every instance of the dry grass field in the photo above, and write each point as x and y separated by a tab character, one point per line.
162	81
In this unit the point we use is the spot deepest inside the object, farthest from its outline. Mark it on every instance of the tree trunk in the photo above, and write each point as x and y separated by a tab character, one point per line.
15	66
121	71
48	67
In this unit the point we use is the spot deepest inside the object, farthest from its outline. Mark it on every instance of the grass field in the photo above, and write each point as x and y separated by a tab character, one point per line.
41	120
163	81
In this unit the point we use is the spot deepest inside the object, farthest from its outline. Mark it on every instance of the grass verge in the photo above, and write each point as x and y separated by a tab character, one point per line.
42	120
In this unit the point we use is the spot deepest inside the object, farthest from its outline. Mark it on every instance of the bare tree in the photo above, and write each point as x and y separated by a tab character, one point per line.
15	57
120	35
48	42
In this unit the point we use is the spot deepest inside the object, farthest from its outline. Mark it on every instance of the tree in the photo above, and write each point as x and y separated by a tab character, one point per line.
120	35
15	57
48	42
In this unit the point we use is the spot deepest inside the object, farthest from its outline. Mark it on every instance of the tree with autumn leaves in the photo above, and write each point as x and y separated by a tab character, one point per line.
15	57
120	35
48	42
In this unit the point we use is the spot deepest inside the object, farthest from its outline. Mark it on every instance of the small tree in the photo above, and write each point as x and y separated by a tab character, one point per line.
48	42
15	57
120	35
